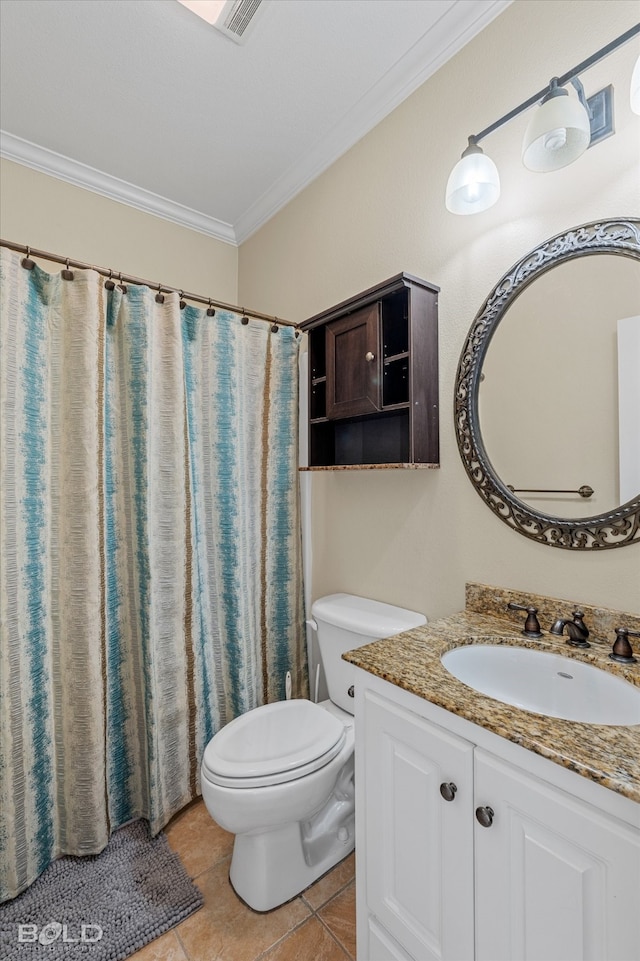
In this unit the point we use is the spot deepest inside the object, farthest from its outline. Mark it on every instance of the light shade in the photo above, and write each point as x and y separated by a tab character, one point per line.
557	134
474	184
634	93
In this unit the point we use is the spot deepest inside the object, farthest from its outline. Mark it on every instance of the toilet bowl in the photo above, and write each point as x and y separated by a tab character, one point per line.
291	775
280	777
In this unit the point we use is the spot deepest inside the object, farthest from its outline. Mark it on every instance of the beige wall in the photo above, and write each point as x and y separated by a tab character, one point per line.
557	351
55	216
411	538
414	537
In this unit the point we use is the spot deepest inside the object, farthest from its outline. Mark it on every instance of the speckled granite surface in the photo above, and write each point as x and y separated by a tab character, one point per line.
605	754
601	621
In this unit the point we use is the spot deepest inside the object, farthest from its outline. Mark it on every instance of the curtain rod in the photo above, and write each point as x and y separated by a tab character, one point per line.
160	288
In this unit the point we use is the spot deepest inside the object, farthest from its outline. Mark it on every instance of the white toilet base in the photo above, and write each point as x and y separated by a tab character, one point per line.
269	868
288	834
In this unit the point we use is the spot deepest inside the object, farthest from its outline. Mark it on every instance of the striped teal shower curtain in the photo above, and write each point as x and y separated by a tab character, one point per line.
150	563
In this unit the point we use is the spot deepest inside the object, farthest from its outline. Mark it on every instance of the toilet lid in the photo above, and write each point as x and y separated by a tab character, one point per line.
273	743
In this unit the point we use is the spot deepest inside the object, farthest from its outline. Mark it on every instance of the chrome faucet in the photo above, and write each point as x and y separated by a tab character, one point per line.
577	630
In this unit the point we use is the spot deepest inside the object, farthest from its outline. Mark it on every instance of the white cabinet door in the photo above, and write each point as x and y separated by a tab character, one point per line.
419	866
556	879
382	947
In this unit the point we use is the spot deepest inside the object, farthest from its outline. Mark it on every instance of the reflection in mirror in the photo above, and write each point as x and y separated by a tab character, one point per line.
549	395
536	402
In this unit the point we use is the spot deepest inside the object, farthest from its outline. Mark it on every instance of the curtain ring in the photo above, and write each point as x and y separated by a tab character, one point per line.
183	302
274	328
211	309
67	273
27	262
109	283
123	286
159	296
244	320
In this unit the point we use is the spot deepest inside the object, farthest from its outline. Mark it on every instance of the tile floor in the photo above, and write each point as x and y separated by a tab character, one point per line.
319	925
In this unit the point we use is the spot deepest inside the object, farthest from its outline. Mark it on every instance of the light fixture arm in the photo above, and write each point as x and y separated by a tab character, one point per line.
576	83
569	76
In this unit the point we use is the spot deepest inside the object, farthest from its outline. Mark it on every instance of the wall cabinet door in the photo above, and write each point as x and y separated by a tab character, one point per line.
373	378
353	364
556	879
419	869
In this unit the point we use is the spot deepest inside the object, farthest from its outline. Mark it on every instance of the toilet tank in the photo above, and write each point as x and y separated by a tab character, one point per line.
346	621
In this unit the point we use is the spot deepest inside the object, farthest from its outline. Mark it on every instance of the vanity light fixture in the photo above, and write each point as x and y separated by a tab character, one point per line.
560	131
474	182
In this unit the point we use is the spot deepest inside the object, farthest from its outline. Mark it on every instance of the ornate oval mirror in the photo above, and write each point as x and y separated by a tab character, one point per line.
552	399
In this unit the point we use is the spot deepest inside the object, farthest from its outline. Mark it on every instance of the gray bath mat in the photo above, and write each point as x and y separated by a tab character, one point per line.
101	908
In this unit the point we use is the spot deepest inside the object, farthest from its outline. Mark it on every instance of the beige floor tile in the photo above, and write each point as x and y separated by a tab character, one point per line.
339	915
200	842
332	882
310	942
165	948
225	929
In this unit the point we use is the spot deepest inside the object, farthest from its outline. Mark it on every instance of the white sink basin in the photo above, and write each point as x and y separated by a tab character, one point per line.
545	683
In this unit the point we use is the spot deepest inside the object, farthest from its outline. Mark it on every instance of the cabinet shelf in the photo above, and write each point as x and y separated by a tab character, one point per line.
401	356
373	378
401	466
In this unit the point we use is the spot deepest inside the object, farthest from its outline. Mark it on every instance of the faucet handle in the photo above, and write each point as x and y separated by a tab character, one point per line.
577	619
622	650
532	624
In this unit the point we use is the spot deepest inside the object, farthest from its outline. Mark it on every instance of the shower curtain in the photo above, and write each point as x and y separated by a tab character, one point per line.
150	562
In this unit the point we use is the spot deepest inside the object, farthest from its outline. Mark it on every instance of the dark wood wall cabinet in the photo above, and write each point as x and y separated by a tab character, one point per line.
373	378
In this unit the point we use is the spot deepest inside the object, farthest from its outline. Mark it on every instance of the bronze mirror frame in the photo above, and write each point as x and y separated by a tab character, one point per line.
615	528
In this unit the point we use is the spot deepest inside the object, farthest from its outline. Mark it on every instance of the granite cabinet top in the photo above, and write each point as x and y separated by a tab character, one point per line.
605	754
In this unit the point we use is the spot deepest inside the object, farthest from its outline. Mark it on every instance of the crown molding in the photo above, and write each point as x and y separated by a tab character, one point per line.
430	52
455	28
80	175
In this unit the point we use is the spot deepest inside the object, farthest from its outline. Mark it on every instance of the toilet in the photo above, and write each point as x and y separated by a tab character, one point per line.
280	777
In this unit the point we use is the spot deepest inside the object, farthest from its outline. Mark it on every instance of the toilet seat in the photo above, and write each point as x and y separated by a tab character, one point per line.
273	744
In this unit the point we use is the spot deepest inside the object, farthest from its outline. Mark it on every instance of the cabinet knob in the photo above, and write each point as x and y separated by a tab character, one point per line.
448	790
484	816
369	356
352	691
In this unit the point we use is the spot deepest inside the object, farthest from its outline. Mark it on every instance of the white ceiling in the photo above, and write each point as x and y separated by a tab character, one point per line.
144	102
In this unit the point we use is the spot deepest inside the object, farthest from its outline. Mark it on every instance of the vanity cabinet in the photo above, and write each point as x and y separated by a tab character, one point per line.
547	875
419	880
373	378
555	878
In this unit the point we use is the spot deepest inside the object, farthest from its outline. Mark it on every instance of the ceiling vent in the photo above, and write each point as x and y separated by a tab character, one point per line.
238	18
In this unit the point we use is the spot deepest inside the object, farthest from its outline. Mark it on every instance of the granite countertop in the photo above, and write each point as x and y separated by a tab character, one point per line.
605	754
